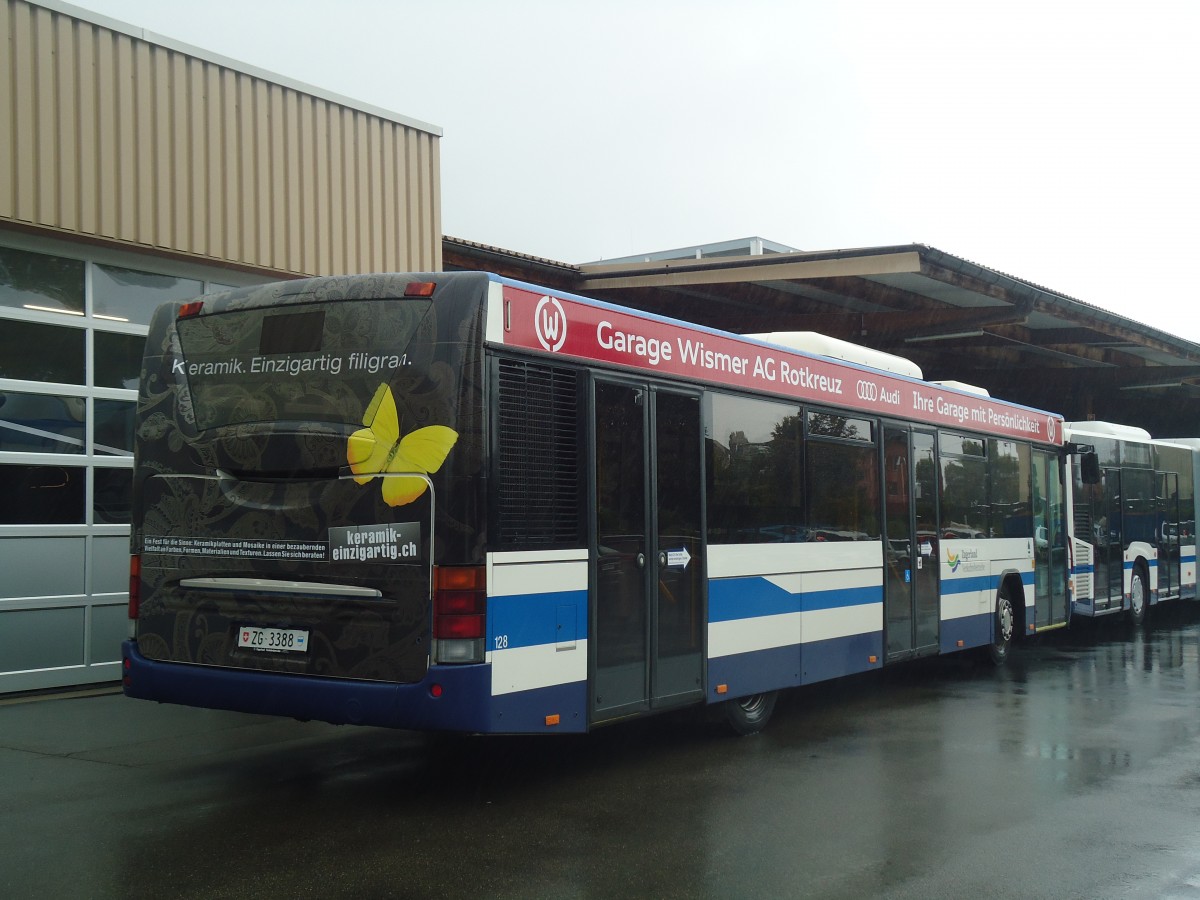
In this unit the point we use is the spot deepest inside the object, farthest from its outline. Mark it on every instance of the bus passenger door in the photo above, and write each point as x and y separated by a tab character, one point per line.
1167	527
1111	544
911	580
927	598
648	577
1049	540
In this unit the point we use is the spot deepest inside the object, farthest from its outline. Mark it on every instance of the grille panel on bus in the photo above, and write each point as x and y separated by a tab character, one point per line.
538	470
1084	563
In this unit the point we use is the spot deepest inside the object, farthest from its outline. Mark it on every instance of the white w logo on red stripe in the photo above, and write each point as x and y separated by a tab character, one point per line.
550	323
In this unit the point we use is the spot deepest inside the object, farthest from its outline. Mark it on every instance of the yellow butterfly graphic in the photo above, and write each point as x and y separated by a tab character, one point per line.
378	449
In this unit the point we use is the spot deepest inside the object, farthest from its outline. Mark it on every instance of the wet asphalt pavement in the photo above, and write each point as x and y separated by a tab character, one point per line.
1075	772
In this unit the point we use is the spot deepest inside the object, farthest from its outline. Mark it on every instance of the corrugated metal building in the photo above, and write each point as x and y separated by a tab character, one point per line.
135	169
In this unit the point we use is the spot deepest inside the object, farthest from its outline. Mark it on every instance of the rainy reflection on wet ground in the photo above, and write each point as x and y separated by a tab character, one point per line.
1075	772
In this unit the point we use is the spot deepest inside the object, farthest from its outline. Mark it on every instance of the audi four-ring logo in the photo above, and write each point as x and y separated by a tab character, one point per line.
550	323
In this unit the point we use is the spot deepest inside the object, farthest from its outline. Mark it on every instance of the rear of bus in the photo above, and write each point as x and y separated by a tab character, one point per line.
307	492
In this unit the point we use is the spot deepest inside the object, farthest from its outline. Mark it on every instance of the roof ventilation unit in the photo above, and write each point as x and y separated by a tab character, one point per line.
818	344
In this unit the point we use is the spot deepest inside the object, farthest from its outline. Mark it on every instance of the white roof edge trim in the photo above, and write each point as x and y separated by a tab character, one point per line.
964	387
1108	429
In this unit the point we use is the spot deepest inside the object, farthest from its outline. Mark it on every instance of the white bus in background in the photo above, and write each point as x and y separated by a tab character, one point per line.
1132	521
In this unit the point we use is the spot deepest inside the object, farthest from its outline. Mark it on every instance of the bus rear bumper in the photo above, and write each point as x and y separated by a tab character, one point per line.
449	698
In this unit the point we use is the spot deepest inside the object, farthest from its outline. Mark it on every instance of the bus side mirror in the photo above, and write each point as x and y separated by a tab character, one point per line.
1089	468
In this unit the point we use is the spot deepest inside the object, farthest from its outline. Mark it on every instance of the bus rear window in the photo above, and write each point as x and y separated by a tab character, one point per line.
298	332
311	363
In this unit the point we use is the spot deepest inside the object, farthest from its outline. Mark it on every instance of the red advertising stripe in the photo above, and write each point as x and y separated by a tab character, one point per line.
569	327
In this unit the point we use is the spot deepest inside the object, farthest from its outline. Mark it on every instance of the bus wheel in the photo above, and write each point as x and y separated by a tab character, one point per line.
749	715
1139	595
1002	634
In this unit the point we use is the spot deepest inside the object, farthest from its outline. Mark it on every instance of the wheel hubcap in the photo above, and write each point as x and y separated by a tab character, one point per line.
752	706
1006	621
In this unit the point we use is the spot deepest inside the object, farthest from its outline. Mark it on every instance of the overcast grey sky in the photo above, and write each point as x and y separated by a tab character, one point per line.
1053	141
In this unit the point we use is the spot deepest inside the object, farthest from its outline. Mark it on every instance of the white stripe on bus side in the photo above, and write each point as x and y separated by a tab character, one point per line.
539	666
537	572
788	629
741	560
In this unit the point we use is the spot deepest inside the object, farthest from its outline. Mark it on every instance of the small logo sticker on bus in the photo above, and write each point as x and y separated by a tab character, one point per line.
386	543
678	559
550	323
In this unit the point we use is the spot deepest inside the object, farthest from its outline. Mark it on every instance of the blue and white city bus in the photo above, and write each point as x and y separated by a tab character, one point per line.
1132	520
460	502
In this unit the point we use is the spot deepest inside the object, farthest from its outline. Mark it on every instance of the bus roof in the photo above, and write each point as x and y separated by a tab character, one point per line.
557	323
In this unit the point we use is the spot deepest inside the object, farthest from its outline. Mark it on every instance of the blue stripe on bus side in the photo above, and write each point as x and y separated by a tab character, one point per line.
464	701
836	657
754	596
752	673
1090	569
745	598
526	711
781	667
979	583
973	631
527	620
969	585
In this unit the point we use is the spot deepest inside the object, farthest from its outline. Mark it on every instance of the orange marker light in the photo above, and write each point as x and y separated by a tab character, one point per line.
722	689
419	289
552	720
872	659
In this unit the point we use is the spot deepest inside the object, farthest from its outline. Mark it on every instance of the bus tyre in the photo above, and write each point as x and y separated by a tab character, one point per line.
1139	595
1002	629
749	715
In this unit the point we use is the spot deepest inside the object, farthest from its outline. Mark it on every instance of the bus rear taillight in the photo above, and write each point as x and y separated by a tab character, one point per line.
135	585
190	309
459	613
